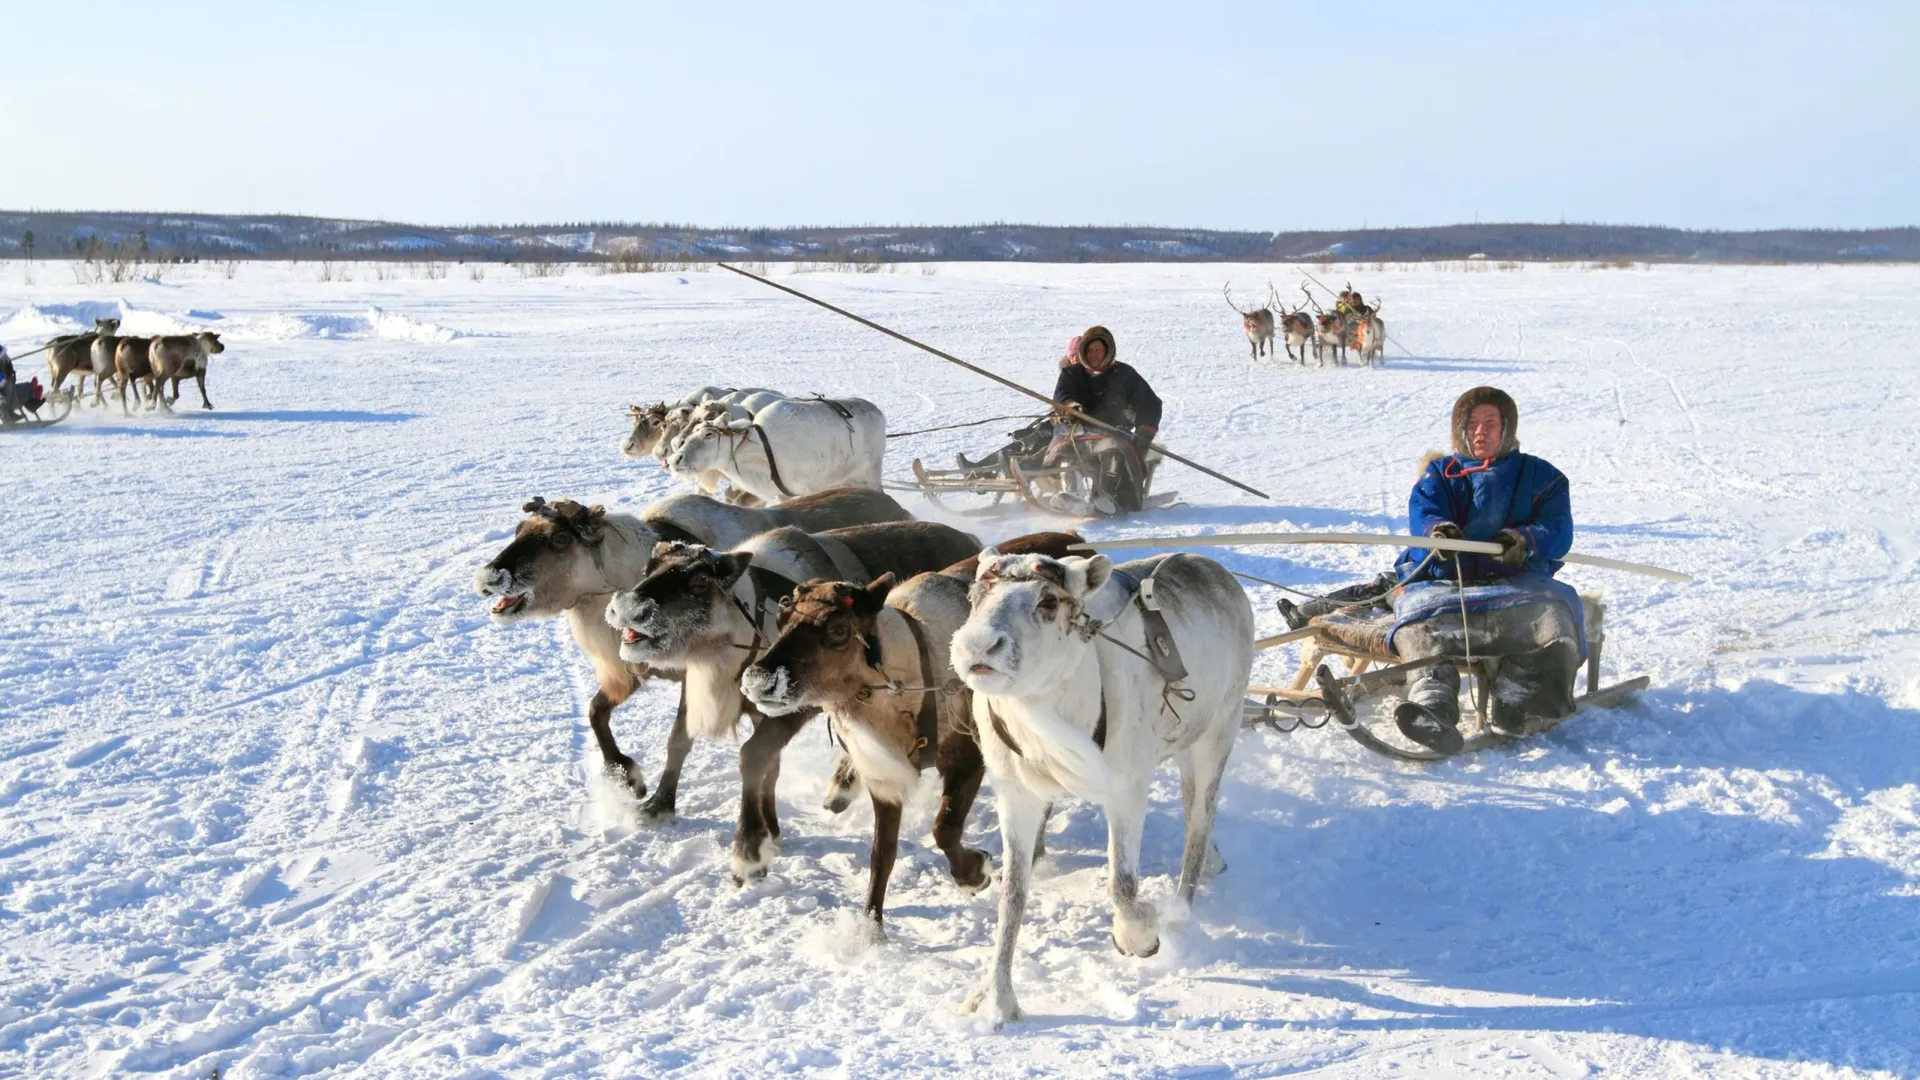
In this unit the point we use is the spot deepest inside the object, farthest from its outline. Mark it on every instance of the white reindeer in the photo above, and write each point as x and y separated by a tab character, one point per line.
1054	651
792	447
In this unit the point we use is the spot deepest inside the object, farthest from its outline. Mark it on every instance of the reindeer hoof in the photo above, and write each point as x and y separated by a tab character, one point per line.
657	811
1136	936
1000	1005
751	865
972	871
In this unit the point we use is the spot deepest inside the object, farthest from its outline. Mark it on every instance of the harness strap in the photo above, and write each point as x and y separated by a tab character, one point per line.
773	467
1000	729
845	562
927	723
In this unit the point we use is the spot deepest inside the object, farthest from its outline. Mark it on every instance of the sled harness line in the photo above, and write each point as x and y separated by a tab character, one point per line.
978	370
926	722
970	423
1344	605
1157	636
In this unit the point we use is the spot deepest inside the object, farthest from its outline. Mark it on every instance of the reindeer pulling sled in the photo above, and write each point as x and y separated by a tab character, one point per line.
1495	627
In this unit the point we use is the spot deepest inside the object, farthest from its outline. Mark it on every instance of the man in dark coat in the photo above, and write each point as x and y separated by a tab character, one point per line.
1488	490
1117	395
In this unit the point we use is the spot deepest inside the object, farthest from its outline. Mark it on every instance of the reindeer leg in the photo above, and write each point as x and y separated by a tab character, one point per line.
200	380
754	838
679	742
886	847
1134	926
1201	767
1021	814
961	770
600	719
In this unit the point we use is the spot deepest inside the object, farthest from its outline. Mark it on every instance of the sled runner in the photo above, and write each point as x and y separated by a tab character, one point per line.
51	409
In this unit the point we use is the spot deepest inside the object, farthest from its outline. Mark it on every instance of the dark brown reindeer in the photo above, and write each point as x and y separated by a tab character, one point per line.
1257	322
1296	329
708	614
874	658
566	559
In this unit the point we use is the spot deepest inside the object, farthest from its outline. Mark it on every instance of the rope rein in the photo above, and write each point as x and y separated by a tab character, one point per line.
968	424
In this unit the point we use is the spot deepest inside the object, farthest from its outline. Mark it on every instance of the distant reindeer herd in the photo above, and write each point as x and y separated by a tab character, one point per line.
147	363
1352	326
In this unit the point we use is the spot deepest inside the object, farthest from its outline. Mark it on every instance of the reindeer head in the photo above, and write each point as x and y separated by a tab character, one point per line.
649	429
829	647
548	565
1022	636
681	602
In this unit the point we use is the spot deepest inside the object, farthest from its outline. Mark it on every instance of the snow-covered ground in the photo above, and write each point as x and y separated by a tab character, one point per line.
276	798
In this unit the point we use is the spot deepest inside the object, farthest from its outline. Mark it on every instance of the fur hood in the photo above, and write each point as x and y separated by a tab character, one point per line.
1093	334
1509	419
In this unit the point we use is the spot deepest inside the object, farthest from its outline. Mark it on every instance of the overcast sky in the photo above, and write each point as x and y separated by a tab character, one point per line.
1260	116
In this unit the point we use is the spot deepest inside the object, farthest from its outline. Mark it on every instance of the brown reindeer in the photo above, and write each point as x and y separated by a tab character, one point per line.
709	614
177	356
874	659
132	368
1257	322
567	559
1296	329
72	354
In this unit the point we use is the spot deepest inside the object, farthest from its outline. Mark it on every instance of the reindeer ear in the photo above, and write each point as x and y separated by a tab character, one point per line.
533	505
588	524
872	598
732	565
1086	576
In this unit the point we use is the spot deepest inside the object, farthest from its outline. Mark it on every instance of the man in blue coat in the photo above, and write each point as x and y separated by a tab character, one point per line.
1487	490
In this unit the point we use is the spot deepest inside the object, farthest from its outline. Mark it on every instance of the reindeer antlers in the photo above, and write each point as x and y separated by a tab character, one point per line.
1227	290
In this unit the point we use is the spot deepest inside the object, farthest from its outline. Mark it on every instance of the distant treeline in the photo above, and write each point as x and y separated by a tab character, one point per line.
165	237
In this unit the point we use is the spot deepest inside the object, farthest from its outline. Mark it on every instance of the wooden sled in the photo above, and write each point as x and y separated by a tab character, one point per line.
1026	486
55	408
1318	695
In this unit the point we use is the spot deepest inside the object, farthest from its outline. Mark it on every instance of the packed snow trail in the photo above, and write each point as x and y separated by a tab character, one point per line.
276	798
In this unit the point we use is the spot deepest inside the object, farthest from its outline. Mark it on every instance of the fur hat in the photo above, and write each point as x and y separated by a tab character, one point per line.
1093	334
1509	419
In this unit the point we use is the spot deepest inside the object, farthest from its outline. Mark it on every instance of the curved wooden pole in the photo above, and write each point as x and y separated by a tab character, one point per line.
1370	539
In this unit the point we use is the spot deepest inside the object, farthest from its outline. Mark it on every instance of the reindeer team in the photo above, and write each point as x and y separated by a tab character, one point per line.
804	591
140	362
1351	326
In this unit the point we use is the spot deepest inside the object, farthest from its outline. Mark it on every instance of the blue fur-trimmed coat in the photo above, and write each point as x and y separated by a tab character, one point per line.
1518	491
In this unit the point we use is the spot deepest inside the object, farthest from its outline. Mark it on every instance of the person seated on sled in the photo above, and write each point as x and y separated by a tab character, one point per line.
15	396
1116	395
1487	490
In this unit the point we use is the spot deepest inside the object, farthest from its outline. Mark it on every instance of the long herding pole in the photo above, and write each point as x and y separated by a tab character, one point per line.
978	370
1437	543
